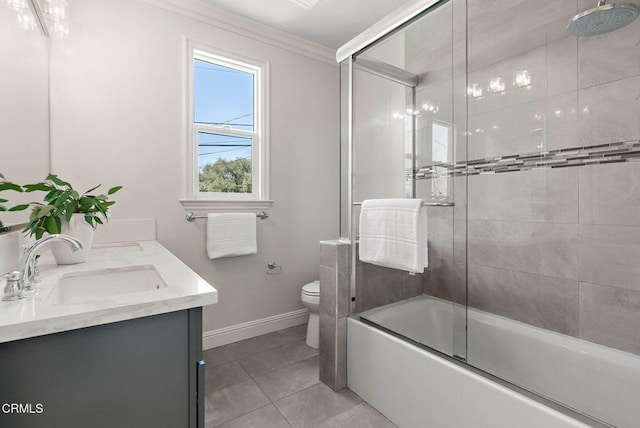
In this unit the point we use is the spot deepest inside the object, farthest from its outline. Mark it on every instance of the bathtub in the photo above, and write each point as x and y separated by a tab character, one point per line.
417	388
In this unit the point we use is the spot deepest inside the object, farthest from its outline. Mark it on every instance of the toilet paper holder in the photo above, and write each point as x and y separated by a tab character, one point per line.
274	268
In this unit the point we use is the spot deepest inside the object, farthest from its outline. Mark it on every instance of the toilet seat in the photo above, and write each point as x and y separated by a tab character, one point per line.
312	289
310	297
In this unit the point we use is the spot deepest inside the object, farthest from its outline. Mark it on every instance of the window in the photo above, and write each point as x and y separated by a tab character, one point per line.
227	127
441	143
441	136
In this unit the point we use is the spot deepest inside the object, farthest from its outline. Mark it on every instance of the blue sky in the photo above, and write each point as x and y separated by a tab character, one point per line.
223	96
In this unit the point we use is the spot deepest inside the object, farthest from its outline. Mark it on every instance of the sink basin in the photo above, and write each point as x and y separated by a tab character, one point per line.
121	246
95	284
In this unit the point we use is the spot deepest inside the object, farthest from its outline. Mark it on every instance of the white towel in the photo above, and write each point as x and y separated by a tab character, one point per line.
393	233
231	234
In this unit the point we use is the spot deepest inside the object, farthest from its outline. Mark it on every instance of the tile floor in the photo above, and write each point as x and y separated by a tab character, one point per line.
271	381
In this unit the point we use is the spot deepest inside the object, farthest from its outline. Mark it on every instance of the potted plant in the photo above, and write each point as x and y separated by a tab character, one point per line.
66	211
7	185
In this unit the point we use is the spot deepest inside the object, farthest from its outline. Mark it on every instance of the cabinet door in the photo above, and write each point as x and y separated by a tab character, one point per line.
135	373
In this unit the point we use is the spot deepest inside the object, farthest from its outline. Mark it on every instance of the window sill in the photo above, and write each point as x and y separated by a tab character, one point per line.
204	207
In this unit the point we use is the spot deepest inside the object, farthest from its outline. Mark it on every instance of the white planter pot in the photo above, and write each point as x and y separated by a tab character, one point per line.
78	228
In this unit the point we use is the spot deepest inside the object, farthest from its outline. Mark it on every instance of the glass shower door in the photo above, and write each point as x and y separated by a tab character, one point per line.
409	131
553	227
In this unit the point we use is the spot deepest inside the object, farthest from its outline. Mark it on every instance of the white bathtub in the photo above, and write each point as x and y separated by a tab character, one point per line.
417	388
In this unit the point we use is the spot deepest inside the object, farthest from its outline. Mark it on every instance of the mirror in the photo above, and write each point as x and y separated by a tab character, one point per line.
24	103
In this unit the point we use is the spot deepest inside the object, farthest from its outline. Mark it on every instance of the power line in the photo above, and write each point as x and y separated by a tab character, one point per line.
223	145
229	121
220	151
239	117
225	123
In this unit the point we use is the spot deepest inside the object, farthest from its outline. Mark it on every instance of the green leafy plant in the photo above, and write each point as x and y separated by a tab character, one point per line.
7	185
60	203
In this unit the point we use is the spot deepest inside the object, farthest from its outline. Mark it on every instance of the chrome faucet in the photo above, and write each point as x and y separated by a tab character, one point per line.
28	265
25	277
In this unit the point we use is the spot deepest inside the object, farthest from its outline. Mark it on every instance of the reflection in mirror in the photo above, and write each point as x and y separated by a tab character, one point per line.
24	100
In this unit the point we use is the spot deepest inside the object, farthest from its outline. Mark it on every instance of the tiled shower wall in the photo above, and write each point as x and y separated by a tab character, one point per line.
557	248
378	286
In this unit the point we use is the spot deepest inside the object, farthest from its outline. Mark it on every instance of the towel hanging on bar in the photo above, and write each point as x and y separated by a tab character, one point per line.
231	234
393	233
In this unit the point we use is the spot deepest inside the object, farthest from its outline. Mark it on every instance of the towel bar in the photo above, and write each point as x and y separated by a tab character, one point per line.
191	216
426	204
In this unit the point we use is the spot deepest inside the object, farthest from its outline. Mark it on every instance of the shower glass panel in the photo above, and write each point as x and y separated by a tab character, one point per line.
409	129
553	224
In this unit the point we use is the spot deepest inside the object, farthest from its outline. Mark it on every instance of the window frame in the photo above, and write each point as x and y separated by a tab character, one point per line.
259	136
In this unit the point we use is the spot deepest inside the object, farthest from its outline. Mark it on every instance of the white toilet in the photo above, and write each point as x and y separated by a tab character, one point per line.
311	300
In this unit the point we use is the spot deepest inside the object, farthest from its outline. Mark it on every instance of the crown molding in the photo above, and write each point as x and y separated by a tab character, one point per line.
202	11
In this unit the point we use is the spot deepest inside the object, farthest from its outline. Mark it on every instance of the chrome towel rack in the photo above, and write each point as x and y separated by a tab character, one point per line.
426	204
190	216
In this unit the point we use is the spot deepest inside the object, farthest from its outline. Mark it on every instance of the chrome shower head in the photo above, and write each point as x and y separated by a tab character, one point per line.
602	19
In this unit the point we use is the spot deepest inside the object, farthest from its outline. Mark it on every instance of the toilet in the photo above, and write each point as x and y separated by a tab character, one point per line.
311	300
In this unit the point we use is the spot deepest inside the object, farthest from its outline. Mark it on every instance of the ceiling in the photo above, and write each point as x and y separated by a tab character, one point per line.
330	23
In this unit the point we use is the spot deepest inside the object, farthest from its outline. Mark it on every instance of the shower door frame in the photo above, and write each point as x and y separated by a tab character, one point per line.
414	13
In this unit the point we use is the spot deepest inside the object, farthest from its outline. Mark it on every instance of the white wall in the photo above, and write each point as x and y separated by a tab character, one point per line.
117	103
24	111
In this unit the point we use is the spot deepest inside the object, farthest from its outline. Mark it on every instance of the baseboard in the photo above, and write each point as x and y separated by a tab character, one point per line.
234	333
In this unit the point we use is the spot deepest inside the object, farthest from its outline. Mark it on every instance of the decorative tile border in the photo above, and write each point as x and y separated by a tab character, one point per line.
562	158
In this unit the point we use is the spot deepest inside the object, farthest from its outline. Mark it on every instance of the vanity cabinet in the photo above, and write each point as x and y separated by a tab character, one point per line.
142	372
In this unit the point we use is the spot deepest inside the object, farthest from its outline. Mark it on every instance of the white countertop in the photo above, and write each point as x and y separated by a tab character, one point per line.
34	316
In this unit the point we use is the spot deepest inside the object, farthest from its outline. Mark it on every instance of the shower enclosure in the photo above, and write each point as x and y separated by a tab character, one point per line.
523	142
